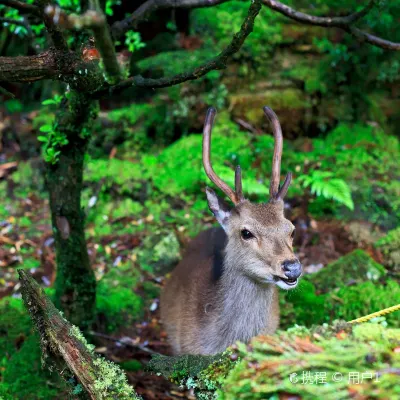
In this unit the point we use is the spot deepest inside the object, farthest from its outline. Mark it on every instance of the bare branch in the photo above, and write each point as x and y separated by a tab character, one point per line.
142	12
216	63
21	7
96	21
372	39
334	22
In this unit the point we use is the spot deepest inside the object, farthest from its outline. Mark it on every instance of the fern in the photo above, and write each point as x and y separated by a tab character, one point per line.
323	183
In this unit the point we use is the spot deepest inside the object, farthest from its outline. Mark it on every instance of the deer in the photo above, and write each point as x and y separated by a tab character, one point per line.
225	288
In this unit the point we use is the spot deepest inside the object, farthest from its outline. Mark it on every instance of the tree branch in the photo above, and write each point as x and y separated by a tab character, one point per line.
335	22
142	12
96	21
67	346
21	7
47	65
217	63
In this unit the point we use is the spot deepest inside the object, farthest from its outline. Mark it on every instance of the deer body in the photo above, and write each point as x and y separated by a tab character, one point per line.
205	309
225	287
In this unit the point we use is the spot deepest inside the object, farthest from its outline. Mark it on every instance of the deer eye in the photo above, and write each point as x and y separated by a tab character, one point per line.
246	234
293	233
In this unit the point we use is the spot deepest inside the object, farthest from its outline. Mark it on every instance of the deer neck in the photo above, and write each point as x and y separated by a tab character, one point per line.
244	307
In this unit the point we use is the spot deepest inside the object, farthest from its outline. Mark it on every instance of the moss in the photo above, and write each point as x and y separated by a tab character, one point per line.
303	306
159	252
289	103
15	325
116	302
390	247
204	374
268	363
113	383
131	365
263	367
355	267
25	379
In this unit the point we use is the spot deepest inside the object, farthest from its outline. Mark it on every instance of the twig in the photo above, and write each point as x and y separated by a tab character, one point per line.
344	23
6	93
123	343
216	63
22	7
148	7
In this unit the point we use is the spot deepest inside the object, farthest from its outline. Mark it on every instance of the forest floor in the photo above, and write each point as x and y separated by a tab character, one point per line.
26	242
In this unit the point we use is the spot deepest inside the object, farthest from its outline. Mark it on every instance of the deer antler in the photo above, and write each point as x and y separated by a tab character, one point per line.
237	195
275	191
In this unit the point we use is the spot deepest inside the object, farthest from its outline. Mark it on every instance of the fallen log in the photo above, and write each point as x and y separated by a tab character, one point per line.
65	347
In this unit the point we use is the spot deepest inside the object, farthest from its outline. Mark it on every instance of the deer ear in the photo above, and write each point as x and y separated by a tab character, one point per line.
219	208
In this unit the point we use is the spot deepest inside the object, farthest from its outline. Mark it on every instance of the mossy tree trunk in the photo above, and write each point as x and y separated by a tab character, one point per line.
75	282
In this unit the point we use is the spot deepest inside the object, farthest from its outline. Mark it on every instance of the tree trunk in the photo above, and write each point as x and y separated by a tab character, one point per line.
75	281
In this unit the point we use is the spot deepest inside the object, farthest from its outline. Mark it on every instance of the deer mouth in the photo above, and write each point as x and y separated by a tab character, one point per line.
286	281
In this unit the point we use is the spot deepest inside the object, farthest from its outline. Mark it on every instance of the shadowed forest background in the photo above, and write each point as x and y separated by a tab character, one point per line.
142	197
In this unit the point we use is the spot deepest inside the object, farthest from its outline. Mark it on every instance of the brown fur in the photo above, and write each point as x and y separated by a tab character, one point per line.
224	289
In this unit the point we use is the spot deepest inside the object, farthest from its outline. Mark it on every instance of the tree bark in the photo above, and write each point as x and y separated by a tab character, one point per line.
75	281
50	64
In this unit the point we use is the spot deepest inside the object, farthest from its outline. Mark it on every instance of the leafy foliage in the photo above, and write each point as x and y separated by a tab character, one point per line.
322	183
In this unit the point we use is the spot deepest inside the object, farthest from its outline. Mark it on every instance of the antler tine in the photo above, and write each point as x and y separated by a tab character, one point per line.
238	183
275	191
208	124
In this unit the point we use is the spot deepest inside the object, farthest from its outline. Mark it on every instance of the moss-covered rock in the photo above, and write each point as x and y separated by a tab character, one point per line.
159	252
332	361
303	306
204	374
320	364
355	267
289	103
390	248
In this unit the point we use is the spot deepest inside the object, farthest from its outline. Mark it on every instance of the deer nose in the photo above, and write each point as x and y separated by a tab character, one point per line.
292	268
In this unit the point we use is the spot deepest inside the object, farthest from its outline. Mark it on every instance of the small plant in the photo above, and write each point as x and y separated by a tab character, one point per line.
324	183
133	41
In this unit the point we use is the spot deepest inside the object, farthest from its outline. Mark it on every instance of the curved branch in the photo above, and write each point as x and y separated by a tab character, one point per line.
217	63
335	22
23	8
142	12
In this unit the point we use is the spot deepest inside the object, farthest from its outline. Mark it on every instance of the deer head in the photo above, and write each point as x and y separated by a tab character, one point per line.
260	238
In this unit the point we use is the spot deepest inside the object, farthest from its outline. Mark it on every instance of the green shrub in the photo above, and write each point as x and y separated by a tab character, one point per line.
355	267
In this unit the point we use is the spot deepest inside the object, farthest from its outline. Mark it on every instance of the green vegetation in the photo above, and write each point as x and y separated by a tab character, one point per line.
125	187
300	362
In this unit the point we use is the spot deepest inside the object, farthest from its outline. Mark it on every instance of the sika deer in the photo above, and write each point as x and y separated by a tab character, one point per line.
225	288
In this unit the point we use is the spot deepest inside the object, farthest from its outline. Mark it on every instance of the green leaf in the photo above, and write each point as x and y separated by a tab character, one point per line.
46	128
